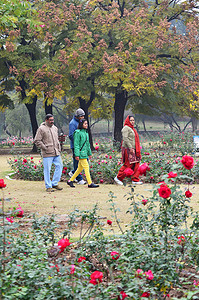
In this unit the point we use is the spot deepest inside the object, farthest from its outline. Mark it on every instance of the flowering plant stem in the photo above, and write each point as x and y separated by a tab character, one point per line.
114	209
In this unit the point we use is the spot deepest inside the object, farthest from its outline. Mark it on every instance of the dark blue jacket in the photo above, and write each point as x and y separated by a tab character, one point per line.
72	127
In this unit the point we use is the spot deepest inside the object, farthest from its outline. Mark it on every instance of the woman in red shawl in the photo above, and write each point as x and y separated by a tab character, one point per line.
131	154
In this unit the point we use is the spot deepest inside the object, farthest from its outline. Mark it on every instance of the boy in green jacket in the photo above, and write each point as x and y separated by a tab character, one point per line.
82	151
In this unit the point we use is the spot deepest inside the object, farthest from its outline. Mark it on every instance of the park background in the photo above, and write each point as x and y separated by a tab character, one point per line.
110	58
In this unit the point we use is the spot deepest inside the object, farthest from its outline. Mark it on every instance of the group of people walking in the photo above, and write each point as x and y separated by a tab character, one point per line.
47	140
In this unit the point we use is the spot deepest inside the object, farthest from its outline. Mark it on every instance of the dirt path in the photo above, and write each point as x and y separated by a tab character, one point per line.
32	197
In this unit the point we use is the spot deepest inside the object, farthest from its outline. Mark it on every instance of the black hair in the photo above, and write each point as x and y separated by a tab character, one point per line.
131	117
48	116
81	122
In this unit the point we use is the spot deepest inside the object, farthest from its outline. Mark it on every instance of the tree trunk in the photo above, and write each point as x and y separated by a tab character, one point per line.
48	108
194	122
119	107
31	107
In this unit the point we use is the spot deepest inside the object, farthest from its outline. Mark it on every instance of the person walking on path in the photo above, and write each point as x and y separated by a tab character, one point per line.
46	139
79	115
131	154
82	151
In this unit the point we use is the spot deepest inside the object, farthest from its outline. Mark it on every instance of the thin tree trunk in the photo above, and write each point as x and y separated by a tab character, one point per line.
31	107
119	107
194	122
48	108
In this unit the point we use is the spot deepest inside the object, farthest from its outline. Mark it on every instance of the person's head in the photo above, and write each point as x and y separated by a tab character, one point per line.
79	114
49	120
83	124
132	120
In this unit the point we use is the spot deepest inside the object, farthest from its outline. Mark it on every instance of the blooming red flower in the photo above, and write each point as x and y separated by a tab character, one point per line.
164	191
188	194
31	158
2	184
109	222
25	160
115	255
81	258
143	168
63	243
181	240
110	156
10	219
63	172
65	168
13	143
72	269
19	212
128	172
144	201
149	275
96	277
172	175
196	283
145	294
35	167
97	147
188	162
123	295
101	180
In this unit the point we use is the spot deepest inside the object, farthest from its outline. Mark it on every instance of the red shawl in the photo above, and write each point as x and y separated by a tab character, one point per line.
137	140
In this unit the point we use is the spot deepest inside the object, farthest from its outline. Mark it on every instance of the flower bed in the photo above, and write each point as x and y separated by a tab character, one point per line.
106	161
150	259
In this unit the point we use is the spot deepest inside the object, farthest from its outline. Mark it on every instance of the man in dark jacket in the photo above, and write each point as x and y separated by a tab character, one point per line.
79	114
46	139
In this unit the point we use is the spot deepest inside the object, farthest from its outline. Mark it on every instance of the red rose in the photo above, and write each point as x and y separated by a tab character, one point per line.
164	191
11	220
115	255
145	294
188	162
72	269
25	160
81	258
101	180
13	143
63	243
96	277
172	175
19	212
181	240
65	168
188	194
123	294
143	168
149	275
97	148
2	184
110	156
63	172
109	222
128	172
144	201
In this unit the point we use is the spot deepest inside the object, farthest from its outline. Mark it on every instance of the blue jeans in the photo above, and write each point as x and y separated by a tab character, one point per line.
47	162
75	166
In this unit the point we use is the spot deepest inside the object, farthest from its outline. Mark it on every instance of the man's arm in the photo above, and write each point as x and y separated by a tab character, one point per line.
38	139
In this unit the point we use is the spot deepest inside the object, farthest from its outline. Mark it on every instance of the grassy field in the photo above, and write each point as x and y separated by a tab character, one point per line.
33	198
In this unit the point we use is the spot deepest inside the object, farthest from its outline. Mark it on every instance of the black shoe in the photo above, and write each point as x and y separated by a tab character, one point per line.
92	185
70	183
